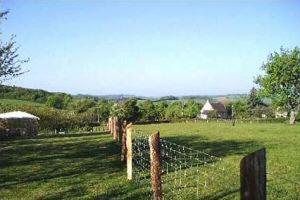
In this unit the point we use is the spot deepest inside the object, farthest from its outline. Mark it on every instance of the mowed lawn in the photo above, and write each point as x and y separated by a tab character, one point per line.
88	166
281	141
66	167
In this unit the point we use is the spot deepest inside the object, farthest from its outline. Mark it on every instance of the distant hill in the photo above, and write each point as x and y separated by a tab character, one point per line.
19	93
26	94
41	96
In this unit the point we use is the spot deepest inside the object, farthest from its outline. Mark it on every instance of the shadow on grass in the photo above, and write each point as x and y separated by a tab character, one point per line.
221	148
46	136
79	160
52	159
221	195
33	160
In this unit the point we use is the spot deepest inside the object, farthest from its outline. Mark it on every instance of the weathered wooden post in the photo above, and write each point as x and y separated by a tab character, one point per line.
124	148
253	176
129	150
108	124
115	129
111	125
155	157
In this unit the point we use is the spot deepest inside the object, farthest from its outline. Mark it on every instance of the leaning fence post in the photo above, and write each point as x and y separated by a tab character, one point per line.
124	148
129	151
155	157
253	176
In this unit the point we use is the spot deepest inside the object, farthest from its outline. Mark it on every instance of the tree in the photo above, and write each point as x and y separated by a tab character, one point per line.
281	80
55	101
148	111
240	109
254	100
161	108
174	110
10	63
131	110
83	105
192	109
126	110
103	109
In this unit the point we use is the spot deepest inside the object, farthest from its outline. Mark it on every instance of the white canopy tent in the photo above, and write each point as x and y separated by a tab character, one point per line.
18	115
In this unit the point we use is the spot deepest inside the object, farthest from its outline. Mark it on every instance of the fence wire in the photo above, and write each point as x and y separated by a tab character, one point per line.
186	173
141	165
192	174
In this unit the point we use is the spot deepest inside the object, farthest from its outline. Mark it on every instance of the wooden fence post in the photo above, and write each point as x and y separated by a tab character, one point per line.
155	157
123	139
111	125
114	132
129	150
107	125
115	129
253	176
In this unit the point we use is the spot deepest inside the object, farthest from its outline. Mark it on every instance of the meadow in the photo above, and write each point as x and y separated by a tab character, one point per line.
231	143
88	166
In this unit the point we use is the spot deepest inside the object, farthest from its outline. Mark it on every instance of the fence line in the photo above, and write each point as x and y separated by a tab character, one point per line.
185	173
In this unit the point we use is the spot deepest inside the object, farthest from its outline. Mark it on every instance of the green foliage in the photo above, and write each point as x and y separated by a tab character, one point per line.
54	119
10	63
281	78
175	110
148	111
229	110
103	110
192	109
9	92
59	101
169	98
126	110
55	102
259	111
83	105
161	107
240	109
254	99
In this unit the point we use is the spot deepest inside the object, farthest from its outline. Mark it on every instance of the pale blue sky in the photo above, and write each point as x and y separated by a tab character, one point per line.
150	48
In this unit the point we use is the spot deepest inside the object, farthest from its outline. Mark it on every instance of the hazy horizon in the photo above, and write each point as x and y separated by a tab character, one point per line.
148	48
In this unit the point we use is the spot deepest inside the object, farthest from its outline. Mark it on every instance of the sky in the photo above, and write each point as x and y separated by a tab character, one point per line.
148	48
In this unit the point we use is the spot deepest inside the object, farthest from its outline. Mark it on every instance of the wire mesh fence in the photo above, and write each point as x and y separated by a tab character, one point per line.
141	164
186	173
192	174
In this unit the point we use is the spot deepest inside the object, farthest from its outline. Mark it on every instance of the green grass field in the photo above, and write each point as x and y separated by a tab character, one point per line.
87	166
230	143
20	102
72	167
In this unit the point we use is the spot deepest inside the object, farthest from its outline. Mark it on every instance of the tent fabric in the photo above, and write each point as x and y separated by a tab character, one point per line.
17	115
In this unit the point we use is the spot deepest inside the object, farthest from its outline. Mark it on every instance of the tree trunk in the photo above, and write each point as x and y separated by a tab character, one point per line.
293	117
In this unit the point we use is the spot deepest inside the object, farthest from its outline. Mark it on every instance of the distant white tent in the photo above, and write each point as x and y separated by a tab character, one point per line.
18	115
